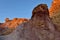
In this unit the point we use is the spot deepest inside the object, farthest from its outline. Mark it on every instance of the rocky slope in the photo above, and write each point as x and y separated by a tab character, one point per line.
10	25
15	22
55	13
55	7
39	27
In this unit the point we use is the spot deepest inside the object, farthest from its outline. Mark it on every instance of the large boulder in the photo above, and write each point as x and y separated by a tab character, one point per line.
8	29
39	27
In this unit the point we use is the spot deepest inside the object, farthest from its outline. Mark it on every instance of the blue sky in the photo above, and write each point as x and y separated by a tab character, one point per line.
19	8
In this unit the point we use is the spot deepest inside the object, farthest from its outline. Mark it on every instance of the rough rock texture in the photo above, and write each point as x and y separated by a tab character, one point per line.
10	25
15	22
55	7
55	13
39	27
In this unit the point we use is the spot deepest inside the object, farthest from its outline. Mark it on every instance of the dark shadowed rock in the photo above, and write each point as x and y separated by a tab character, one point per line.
40	9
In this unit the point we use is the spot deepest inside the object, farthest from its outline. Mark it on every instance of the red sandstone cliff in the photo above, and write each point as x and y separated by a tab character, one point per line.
12	24
55	13
15	22
39	27
9	25
55	7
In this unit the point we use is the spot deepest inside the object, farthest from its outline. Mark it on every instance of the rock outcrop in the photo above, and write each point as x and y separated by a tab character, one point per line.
55	7
55	13
10	25
15	22
39	27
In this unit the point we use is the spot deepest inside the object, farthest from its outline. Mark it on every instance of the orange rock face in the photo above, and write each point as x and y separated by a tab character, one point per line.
13	23
55	13
16	21
55	7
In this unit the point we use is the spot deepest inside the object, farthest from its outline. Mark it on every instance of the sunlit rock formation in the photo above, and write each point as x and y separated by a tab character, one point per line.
55	13
39	27
9	25
55	7
15	22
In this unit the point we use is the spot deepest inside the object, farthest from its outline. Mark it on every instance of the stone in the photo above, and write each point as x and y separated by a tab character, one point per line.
10	25
55	13
39	27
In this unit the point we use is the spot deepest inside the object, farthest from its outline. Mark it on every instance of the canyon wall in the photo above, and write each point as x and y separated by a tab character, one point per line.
55	13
